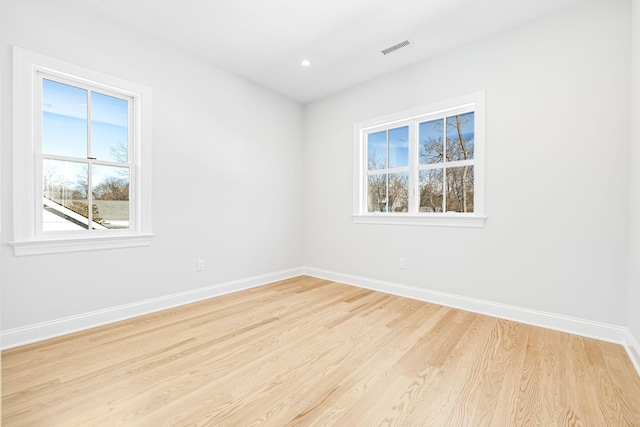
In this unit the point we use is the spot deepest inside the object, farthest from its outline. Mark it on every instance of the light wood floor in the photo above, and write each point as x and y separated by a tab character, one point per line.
310	352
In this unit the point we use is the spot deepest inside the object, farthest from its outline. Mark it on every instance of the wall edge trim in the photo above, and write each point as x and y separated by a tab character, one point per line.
632	345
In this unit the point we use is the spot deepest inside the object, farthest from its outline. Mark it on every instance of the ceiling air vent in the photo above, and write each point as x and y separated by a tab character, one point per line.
395	47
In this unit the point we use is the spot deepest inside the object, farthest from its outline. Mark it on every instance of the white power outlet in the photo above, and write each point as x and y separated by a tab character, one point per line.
200	266
403	263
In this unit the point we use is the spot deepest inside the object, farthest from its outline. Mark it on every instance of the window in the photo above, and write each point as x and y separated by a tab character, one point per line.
424	166
81	158
83	135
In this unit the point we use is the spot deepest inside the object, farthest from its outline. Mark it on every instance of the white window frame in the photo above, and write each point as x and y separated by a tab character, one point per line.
473	102
29	239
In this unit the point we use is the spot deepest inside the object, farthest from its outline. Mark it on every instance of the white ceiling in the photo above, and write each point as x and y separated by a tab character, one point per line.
265	40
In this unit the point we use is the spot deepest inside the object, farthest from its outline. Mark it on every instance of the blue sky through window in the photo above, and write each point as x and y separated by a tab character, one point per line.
453	139
431	143
109	116
64	123
399	147
396	141
377	150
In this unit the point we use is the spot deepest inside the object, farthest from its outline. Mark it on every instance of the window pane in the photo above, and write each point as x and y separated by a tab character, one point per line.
460	137
64	119
430	142
399	147
64	186
111	196
460	189
399	192
431	190
377	150
377	193
109	128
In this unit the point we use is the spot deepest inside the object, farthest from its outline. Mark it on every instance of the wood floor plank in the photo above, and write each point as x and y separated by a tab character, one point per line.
436	394
311	352
533	405
383	355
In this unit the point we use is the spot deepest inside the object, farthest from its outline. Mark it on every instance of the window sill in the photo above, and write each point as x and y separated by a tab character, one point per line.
434	220
56	246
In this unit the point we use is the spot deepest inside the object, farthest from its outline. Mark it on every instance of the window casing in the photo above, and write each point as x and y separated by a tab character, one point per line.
81	158
422	167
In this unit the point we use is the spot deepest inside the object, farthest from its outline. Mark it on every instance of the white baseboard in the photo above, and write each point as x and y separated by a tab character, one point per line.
602	331
633	350
41	331
585	328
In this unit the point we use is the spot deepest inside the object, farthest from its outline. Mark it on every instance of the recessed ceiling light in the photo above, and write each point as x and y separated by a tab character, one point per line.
305	63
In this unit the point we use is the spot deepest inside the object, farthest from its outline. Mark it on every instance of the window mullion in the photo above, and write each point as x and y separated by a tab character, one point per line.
444	163
89	166
386	202
132	158
364	183
413	166
39	158
89	152
89	194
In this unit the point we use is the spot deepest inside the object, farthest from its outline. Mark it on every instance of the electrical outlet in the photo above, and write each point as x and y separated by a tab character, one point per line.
403	263
200	265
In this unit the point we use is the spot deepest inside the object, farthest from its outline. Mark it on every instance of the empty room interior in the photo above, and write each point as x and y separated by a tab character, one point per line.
235	213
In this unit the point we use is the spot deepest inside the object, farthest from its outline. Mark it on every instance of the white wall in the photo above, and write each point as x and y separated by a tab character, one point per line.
633	298
557	93
557	179
226	173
